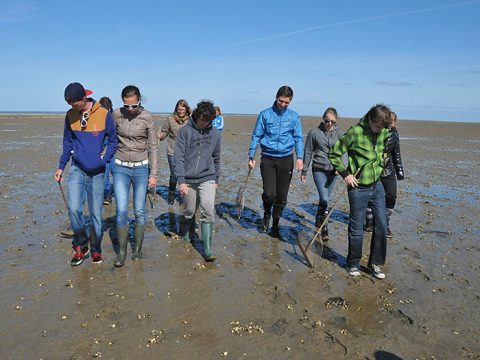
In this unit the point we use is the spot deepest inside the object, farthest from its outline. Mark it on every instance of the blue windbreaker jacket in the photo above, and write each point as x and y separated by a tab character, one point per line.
278	132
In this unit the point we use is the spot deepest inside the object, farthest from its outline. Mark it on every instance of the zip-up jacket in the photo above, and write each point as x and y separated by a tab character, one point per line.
137	138
197	154
278	132
364	149
392	159
86	145
317	146
218	122
170	128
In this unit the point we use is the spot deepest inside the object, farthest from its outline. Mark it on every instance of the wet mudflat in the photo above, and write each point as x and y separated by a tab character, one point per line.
258	300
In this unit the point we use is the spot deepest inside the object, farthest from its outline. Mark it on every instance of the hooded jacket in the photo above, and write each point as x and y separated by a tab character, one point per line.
365	151
86	145
197	154
137	138
278	132
317	146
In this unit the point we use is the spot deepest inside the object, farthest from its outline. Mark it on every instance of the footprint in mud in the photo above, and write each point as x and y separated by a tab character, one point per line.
280	327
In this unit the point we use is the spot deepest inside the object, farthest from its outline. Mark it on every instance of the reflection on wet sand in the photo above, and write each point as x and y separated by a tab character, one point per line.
258	300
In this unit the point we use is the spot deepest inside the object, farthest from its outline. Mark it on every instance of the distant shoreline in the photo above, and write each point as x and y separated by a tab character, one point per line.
62	113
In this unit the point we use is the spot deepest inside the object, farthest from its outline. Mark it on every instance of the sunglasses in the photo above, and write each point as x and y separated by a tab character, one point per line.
84	119
131	107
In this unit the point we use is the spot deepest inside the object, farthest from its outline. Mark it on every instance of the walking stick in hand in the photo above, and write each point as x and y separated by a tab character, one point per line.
310	243
240	200
63	196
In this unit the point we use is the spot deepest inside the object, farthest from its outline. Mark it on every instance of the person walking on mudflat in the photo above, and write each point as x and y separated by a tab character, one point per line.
197	167
317	146
278	130
87	125
136	165
170	128
364	143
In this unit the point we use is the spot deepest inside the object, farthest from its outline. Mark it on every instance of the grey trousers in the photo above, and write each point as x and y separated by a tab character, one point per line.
202	194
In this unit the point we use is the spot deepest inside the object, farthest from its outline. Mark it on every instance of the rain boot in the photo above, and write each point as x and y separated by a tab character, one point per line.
122	232
207	231
184	228
265	222
369	220
324	232
138	237
389	215
171	193
275	232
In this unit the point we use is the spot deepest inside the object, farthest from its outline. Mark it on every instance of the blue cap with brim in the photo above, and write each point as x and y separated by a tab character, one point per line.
75	92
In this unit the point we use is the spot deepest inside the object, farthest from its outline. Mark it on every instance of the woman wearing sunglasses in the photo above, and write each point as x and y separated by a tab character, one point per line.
319	142
136	165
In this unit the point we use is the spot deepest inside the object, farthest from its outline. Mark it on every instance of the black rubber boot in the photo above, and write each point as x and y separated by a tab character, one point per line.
275	232
207	232
324	232
138	236
265	222
122	232
171	193
185	228
369	220
389	215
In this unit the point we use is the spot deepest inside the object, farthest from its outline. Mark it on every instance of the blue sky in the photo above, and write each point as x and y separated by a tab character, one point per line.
418	56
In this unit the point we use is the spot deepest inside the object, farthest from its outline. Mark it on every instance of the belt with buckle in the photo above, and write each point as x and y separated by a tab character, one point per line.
131	163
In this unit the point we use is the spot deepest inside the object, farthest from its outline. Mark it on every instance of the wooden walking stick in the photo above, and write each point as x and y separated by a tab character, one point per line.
240	200
310	243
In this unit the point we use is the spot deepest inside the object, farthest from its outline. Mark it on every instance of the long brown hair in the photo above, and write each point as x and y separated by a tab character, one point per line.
183	103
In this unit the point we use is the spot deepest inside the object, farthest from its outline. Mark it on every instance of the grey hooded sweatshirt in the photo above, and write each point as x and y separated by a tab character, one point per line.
197	154
317	146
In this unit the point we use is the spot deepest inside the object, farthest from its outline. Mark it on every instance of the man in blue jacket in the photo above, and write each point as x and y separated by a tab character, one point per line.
278	130
87	124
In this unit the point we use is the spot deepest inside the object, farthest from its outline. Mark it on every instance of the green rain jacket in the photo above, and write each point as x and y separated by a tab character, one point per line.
365	151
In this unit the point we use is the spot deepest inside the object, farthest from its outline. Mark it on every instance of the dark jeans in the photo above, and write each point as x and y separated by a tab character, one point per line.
276	176
390	186
359	199
173	179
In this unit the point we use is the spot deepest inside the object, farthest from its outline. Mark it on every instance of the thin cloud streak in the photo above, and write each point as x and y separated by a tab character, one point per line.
349	22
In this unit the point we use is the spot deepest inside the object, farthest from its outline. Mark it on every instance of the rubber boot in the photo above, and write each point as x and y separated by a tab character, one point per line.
275	232
389	215
184	230
138	237
207	231
324	232
122	232
171	193
369	220
265	222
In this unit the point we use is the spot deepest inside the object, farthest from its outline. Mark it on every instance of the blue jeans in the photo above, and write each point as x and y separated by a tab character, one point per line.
324	181
108	192
83	187
359	198
123	177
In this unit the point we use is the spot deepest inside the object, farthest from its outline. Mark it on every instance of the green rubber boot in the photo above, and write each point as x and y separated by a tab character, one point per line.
207	231
122	232
138	236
